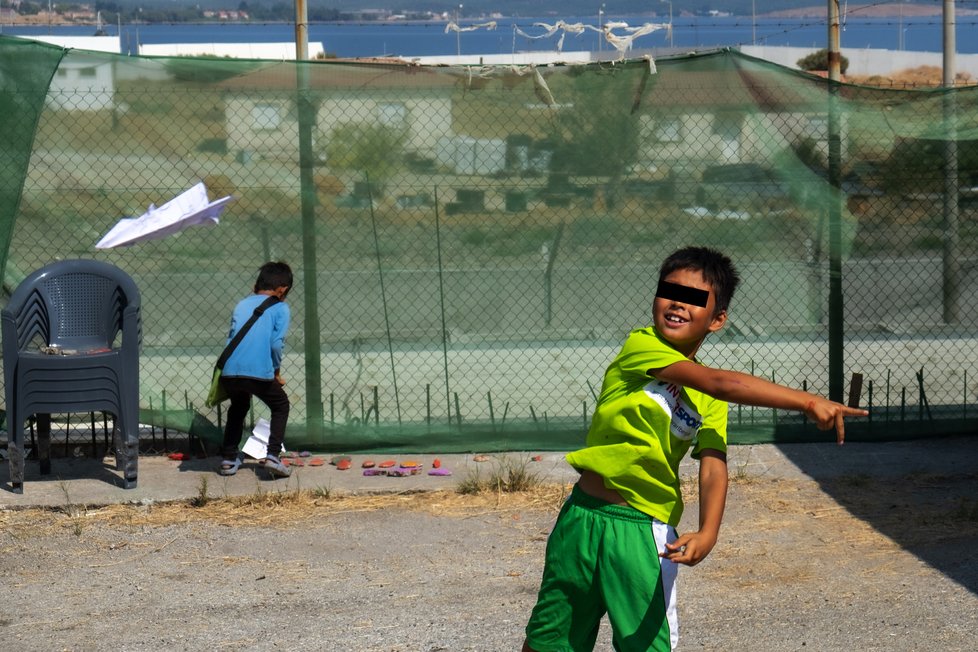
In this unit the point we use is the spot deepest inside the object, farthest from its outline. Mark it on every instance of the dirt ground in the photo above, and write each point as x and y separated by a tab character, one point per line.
889	564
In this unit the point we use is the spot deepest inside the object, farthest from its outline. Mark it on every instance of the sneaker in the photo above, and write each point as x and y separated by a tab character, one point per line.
275	467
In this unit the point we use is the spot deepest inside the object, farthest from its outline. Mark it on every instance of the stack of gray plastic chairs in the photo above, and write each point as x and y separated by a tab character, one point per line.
71	339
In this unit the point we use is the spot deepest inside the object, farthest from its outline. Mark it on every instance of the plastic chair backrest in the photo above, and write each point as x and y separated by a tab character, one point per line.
73	304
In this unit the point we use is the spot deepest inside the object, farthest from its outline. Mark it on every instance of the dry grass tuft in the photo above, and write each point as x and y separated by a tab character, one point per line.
508	473
919	77
279	509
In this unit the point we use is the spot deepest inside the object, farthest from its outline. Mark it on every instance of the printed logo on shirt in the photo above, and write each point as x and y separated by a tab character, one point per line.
684	420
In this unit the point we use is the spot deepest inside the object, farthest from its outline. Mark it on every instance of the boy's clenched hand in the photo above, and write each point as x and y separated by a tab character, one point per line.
689	549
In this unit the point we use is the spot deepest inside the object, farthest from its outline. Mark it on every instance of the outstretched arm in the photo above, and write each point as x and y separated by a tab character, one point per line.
737	387
692	548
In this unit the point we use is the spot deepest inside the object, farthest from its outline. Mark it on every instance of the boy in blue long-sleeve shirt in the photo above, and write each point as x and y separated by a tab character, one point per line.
254	368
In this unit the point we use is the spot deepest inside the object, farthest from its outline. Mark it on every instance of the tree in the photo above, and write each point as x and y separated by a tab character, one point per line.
820	61
208	68
373	148
597	130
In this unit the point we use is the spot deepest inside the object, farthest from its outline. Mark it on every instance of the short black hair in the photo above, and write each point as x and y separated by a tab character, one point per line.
717	269
273	275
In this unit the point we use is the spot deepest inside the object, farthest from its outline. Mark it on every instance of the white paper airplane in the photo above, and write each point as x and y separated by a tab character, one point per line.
190	208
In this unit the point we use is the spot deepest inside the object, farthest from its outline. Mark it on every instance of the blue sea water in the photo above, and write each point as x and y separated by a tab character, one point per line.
363	39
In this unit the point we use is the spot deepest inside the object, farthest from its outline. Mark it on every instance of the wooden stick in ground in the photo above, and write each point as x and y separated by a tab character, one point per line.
855	390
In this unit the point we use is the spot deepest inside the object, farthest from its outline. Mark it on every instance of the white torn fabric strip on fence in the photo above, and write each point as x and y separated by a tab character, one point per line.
455	27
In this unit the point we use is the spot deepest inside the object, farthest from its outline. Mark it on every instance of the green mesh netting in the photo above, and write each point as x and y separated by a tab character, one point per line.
473	243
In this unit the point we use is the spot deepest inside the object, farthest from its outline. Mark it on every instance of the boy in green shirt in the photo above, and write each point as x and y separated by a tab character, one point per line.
614	548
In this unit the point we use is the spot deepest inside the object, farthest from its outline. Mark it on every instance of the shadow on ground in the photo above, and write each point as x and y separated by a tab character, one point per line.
921	494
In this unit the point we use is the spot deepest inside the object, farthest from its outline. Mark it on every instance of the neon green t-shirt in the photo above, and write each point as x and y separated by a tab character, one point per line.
642	428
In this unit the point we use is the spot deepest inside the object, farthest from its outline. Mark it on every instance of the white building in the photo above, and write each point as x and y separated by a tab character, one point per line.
82	82
271	51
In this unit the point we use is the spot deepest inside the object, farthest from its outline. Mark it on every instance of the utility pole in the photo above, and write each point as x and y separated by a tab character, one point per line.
669	2
601	27
951	267
306	109
458	32
900	43
301	31
753	22
836	305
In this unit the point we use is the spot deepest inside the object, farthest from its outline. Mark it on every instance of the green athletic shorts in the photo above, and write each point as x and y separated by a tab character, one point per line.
603	558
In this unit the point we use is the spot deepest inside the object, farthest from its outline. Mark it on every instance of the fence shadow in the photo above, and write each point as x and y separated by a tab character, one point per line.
918	493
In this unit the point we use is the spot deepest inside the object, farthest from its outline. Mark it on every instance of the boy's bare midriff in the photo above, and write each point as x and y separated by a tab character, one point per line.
592	484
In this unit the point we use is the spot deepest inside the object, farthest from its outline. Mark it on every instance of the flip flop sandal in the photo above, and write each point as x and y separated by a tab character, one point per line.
343	465
276	468
537	458
371	472
480	458
439	471
386	464
410	464
297	461
368	464
178	457
436	463
336	459
305	454
316	461
230	467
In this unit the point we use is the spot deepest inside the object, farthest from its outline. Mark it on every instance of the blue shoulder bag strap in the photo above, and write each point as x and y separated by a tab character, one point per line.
236	340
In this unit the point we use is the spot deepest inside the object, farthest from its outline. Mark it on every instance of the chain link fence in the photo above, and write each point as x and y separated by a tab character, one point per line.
472	244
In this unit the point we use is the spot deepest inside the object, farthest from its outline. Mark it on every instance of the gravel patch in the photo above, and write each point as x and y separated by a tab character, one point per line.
795	569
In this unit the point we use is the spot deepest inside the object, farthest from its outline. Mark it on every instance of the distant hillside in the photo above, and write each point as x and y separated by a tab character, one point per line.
330	10
473	8
769	8
869	10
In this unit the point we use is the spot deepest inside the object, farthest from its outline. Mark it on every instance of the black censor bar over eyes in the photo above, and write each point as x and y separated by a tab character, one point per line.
682	294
